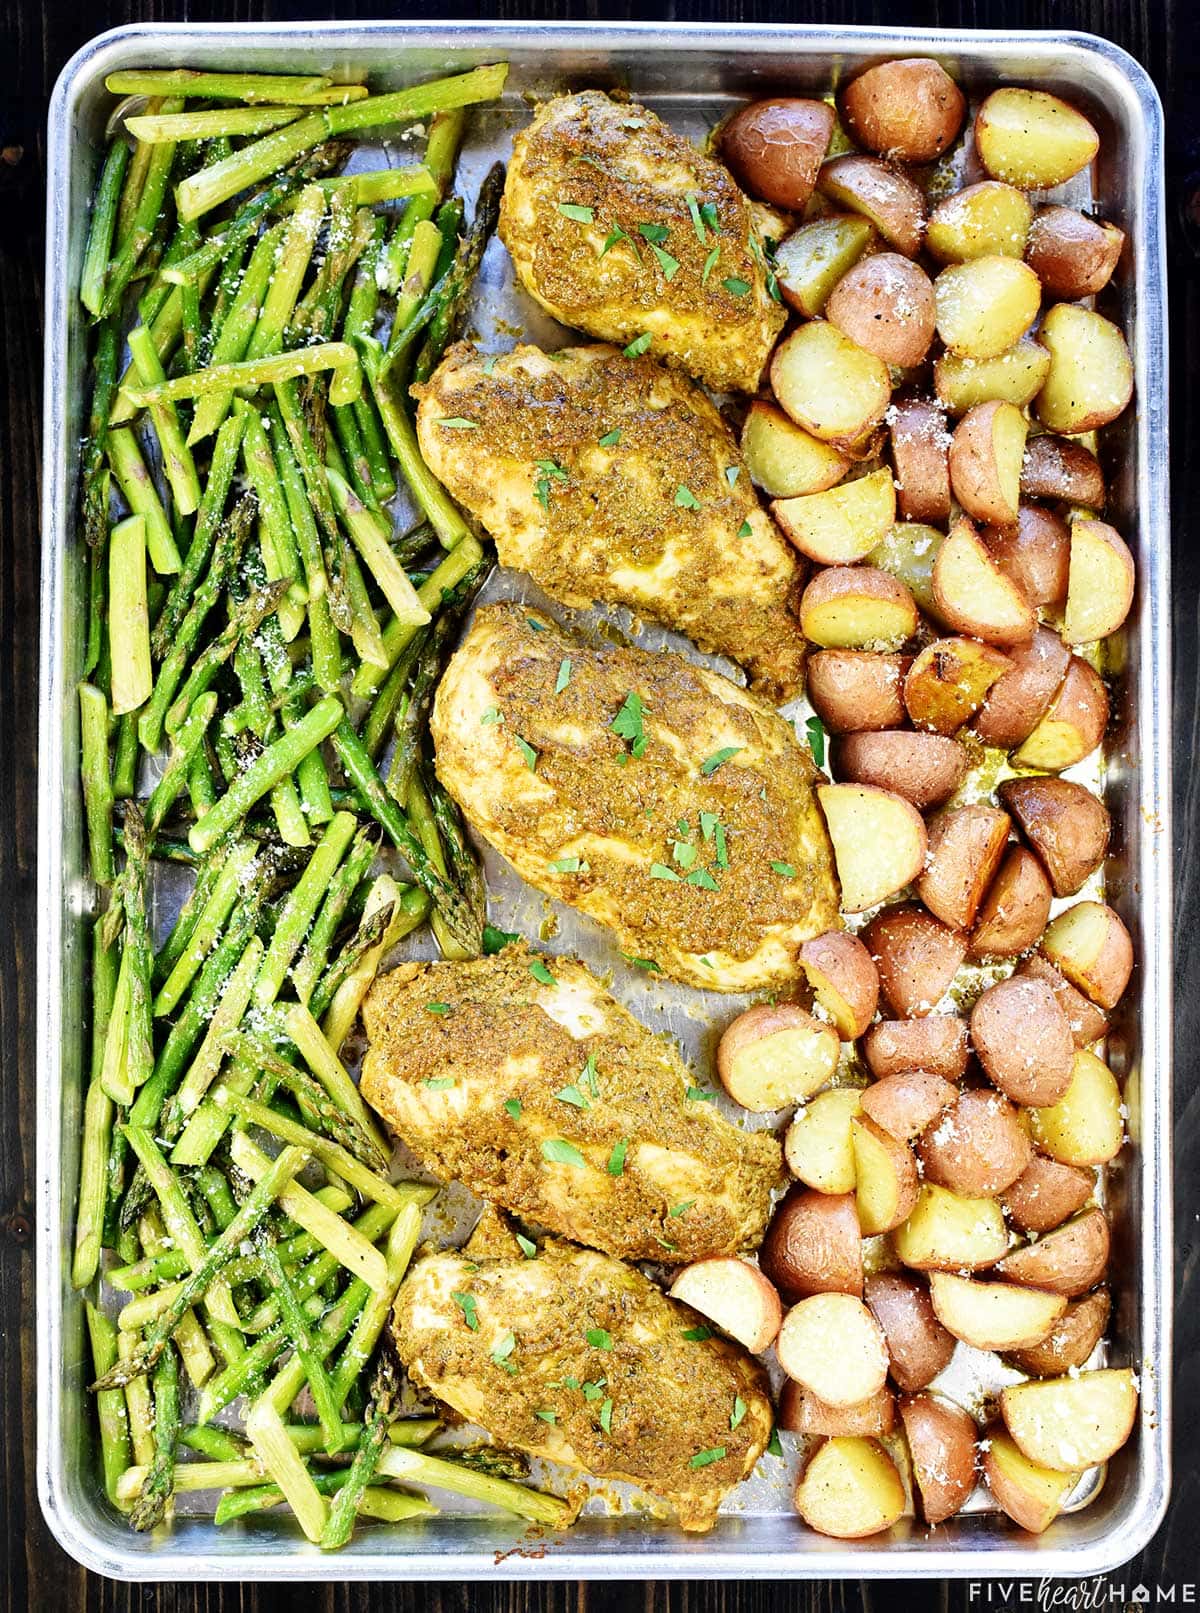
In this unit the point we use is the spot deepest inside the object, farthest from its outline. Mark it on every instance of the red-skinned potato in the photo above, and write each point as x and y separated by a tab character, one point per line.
1073	1422
850	1489
909	109
734	1296
801	1412
1056	467
842	524
951	1232
1091	373
832	1345
811	260
817	1144
1086	1125
920	454
1088	1024
919	1347
906	1103
991	1315
984	306
973	595
1032	139
1072	255
885	304
1032	1496
1034	552
854	690
977	1147
1069	1260
813	1245
1013	914
881	193
784	459
771	1056
1022	1039
1091	946
941	1445
1071	1341
917	957
842	973
986	452
925	769
857	608
878	841
1073	725
1065	824
775	148
1100	582
1046	1193
988	219
1017	702
828	384
937	1043
966	847
886	1179
949	680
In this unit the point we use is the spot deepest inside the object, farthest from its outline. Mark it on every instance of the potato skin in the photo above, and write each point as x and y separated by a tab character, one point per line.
1034	552
1088	1023
920	447
906	1103
885	304
924	768
802	1412
1017	702
1013	914
813	1245
890	199
937	1044
1056	467
1069	1260
917	957
941	1443
1072	1341
774	148
966	845
910	109
1065	824
977	1147
1022	1039
854	691
919	1346
1072	255
838	962
1046	1193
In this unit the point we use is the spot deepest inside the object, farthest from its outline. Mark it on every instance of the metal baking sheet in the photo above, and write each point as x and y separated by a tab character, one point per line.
692	76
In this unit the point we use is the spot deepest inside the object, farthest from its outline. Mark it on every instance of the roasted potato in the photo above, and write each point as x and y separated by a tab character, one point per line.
1088	1024
1071	1341
1032	1496
947	682
1022	1039
818	1146
785	460
1065	824
993	1316
986	452
734	1296
1016	376
916	956
1070	1423
924	768
1072	255
919	1347
985	305
1035	552
907	553
853	690
811	260
1086	1125
769	1056
977	1146
843	524
1074	723
881	193
909	109
974	596
885	304
775	148
1091	373
832	1345
878	841
1046	1193
941	1447
800	1412
920	455
1017	702
947	1232
937	1044
904	1104
1013	914
985	220
843	976
966	845
1069	1260
1091	946
813	1245
849	1489
1031	139
1100	582
886	1180
1056	467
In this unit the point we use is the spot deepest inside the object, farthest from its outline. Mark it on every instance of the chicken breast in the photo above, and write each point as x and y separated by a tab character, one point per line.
526	1080
613	479
622	228
578	1358
655	796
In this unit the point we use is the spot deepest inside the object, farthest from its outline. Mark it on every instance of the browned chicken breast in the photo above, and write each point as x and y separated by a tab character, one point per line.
526	1080
622	228
653	795
576	1357
610	478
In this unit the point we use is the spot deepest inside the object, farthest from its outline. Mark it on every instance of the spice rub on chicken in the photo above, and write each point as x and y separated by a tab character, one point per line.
653	795
612	479
526	1080
576	1357
622	228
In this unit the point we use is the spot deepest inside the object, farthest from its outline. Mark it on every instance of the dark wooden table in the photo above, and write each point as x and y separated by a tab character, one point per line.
35	41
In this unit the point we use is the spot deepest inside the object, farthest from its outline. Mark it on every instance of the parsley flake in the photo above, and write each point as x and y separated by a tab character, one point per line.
572	1095
697	221
697	1335
527	1246
738	1412
710	264
639	345
528	752
784	869
702	878
599	1338
610	439
577	212
732	472
616	1160
466	1304
718	759
541	974
606	1416
745	530
736	287
685	499
661	871
456	422
438	1083
653	232
681	1209
505	1345
557	1151
564	675
815	729
627	724
512	1106
495	940
700	1095
491	715
705	1458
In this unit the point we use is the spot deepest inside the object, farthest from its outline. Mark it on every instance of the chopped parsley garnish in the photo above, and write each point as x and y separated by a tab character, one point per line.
684	853
732	472
491	715
685	499
704	1458
557	1151
606	1416
541	974
702	878
681	1209
697	1335
736	287
572	1095
700	1095
648	964
773	1444
610	439
784	869
547	1416
627	724
495	940
564	675
588	1076
527	1246
710	264
718	759
639	345
668	264
708	212
738	1412
505	1345
455	422
616	1160
661	871
528	752
653	232
512	1107
466	1304
815	729
580	214
745	530
593	1391
599	1338
438	1083
570	865
437	1008
697	221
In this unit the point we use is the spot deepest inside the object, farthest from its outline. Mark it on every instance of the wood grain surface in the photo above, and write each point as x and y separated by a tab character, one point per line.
35	40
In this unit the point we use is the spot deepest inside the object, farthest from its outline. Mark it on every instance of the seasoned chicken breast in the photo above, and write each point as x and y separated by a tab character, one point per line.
610	478
526	1080
653	795
573	1356
622	228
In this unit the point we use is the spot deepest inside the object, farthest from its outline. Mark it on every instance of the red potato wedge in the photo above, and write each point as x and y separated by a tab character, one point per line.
966	847
1088	1024
1070	1423
948	1232
818	1146
769	1057
1032	1496
775	148
1072	255
1046	1193
920	447
1022	1039
1074	723
907	553
735	1297
909	109
878	842
886	1180
801	1412
1065	824
974	596
1071	1342
1016	376
1056	467
1086	1125
904	1104
843	524
1014	912
948	681
814	1246
881	193
1100	583
985	305
853	690
988	219
925	769
941	1446
832	1345
811	260
885	304
993	1316
828	384
850	1489
1069	1260
785	460
1031	139
842	973
1034	552
986	452
937	1044
917	957
919	1347
1017	702
976	1147
1091	373
1091	946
